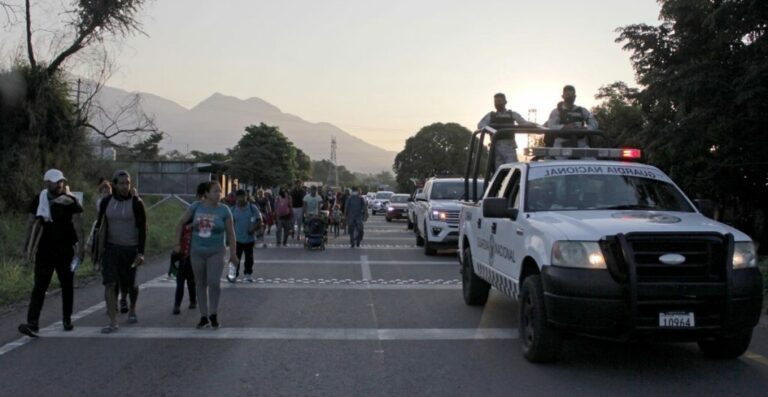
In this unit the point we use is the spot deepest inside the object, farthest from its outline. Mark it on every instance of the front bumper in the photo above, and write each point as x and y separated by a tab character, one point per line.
442	234
591	302
397	214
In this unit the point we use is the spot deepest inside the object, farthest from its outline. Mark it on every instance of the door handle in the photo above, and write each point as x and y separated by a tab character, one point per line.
493	228
519	231
479	223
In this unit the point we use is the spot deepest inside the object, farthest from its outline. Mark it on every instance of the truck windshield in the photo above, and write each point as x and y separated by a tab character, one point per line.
453	190
603	192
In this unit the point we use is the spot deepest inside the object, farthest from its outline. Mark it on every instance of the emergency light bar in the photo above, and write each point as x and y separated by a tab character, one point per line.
578	153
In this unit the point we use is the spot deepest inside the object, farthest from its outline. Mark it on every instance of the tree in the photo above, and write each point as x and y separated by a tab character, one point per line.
704	79
203	157
437	149
620	115
147	149
264	157
303	165
321	169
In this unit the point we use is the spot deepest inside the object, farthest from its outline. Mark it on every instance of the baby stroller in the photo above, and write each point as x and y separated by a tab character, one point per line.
315	233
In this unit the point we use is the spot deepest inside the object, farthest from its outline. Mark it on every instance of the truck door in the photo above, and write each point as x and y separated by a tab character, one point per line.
507	235
481	226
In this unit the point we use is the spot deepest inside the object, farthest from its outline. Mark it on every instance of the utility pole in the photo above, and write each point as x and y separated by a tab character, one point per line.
333	174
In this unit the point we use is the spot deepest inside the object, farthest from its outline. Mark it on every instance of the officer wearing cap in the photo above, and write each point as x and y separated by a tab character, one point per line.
54	226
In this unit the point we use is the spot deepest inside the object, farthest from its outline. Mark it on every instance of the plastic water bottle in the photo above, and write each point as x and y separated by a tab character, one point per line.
231	276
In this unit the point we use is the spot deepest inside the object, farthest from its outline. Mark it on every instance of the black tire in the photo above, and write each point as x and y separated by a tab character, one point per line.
726	348
541	342
429	250
410	224
388	219
475	289
373	212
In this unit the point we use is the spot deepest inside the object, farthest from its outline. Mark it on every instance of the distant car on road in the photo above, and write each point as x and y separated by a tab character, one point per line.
412	207
397	207
380	202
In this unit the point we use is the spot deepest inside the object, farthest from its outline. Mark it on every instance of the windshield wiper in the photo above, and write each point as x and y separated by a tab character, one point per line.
629	207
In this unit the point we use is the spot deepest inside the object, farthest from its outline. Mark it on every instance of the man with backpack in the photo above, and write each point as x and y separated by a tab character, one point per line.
356	212
283	212
122	229
247	219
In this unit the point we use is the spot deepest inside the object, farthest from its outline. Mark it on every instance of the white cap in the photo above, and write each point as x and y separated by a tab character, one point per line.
53	175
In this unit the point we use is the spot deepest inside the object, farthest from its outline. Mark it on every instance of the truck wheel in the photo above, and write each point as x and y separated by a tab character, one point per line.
726	348
388	219
410	224
541	341
475	289
428	249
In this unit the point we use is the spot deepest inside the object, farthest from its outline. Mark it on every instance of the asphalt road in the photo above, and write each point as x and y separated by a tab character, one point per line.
383	319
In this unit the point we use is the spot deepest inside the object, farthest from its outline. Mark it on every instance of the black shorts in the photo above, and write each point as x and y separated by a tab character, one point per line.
116	266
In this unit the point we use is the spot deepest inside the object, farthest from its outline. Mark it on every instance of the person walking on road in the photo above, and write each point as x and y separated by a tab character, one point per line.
356	212
262	202
122	223
246	216
297	202
54	226
211	223
283	213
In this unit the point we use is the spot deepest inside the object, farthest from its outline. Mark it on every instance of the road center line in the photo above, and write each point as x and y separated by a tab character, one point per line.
342	334
366	267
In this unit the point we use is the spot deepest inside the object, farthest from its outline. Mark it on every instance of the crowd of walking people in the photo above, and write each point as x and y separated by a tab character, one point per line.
211	229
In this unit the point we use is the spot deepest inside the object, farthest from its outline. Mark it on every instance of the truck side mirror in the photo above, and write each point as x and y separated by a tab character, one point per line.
498	208
706	207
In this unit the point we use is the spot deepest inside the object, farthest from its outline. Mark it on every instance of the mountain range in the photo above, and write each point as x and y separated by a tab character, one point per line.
217	123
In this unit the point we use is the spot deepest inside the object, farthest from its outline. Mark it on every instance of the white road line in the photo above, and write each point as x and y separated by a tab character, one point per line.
10	346
396	247
257	261
328	286
366	267
342	334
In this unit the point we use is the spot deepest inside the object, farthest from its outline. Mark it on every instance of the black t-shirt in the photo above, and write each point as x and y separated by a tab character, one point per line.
297	197
61	231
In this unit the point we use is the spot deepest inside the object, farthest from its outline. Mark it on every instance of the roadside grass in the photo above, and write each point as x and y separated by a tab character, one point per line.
17	277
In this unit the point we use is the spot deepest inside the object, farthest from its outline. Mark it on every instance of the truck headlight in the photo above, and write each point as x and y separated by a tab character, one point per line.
579	254
438	215
744	255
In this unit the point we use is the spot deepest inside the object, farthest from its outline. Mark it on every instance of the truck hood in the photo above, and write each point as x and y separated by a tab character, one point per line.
593	225
447	205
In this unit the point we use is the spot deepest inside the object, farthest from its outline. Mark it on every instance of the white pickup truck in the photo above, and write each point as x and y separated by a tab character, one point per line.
610	249
436	214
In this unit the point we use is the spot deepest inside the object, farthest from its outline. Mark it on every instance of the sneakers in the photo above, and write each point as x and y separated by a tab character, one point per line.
67	324
123	306
30	330
203	323
214	321
248	278
232	273
176	310
109	329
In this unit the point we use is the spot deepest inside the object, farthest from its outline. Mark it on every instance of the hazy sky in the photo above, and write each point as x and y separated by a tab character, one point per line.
381	70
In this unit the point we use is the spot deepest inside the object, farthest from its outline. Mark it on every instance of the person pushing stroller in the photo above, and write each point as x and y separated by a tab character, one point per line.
315	225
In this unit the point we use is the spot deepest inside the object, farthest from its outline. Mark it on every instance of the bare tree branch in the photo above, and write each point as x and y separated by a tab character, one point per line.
127	120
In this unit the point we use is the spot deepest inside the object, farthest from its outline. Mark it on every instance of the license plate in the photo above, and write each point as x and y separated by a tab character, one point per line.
677	320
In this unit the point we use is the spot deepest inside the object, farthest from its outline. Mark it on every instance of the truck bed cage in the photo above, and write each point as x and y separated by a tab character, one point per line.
477	143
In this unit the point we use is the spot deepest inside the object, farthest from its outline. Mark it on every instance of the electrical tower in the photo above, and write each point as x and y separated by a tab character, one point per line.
333	174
